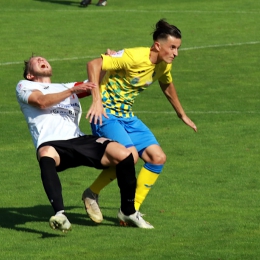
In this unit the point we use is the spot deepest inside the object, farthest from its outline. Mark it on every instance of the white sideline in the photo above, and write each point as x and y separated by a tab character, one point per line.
139	11
182	49
166	112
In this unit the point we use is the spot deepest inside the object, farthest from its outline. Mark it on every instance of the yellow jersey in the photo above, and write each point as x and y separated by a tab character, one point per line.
128	73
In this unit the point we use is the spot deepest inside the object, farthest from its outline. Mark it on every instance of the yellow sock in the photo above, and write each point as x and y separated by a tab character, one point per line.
103	179
145	181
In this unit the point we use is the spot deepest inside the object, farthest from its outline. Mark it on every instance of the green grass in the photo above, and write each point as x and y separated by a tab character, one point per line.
205	204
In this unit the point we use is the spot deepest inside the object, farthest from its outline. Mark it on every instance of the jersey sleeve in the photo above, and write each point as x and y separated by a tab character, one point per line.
121	60
24	90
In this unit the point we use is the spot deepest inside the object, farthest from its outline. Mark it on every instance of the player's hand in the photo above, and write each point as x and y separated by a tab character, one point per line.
188	122
83	87
95	113
110	52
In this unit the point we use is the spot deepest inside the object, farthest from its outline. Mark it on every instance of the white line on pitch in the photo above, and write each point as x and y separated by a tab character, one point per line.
138	11
169	112
198	112
182	49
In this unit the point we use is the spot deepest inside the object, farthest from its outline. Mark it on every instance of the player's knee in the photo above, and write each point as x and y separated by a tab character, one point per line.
48	151
159	158
122	153
133	155
125	154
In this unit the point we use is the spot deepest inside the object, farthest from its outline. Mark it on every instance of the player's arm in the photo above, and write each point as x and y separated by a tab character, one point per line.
111	60
96	110
171	94
103	72
42	101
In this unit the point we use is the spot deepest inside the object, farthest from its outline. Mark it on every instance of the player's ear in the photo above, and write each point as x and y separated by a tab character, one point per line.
30	76
157	45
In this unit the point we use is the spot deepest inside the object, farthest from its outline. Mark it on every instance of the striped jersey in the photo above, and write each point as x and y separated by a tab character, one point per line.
128	73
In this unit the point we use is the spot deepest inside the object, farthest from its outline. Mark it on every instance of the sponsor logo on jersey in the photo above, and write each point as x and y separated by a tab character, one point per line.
134	81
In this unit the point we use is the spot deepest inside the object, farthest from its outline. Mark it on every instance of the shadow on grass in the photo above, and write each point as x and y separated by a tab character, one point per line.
14	218
62	2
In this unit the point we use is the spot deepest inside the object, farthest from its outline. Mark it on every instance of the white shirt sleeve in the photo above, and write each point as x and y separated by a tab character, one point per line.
23	90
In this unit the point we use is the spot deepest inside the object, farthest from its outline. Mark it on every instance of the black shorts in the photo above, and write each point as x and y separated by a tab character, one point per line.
86	150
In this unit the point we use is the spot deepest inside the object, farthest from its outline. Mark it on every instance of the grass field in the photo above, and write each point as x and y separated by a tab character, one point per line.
205	204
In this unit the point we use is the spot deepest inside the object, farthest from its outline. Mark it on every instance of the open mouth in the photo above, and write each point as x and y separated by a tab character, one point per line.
43	66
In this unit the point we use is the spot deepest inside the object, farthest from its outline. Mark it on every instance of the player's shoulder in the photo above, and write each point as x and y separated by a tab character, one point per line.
138	53
23	84
138	50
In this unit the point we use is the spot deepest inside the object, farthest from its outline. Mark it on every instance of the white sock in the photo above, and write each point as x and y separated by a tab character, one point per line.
60	212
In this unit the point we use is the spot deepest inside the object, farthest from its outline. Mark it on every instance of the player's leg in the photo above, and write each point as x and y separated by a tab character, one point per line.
48	160
117	155
153	156
126	179
90	196
154	159
100	152
114	130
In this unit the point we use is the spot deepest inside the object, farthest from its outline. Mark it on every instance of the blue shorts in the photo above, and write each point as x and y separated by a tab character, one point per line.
127	131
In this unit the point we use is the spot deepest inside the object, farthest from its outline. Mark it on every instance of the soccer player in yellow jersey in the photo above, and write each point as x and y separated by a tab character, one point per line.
128	73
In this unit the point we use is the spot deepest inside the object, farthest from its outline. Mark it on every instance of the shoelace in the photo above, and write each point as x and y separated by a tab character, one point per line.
138	215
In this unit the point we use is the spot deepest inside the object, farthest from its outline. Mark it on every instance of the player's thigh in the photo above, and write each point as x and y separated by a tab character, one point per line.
111	128
114	154
141	136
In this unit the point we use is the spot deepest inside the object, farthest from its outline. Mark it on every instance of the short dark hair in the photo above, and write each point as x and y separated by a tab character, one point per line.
27	67
163	30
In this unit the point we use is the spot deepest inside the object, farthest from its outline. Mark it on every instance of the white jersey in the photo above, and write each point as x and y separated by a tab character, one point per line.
59	122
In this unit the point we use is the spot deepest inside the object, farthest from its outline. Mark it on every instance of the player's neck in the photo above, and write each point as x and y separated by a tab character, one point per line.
42	79
154	56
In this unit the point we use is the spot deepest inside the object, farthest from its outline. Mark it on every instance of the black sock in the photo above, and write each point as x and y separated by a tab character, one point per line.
51	183
126	179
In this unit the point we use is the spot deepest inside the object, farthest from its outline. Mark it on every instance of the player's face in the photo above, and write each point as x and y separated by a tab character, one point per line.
40	67
168	49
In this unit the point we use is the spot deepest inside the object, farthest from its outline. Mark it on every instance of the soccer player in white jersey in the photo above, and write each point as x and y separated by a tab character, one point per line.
52	112
128	73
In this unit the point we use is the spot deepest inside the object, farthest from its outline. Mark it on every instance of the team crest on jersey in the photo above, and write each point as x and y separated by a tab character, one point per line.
134	81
